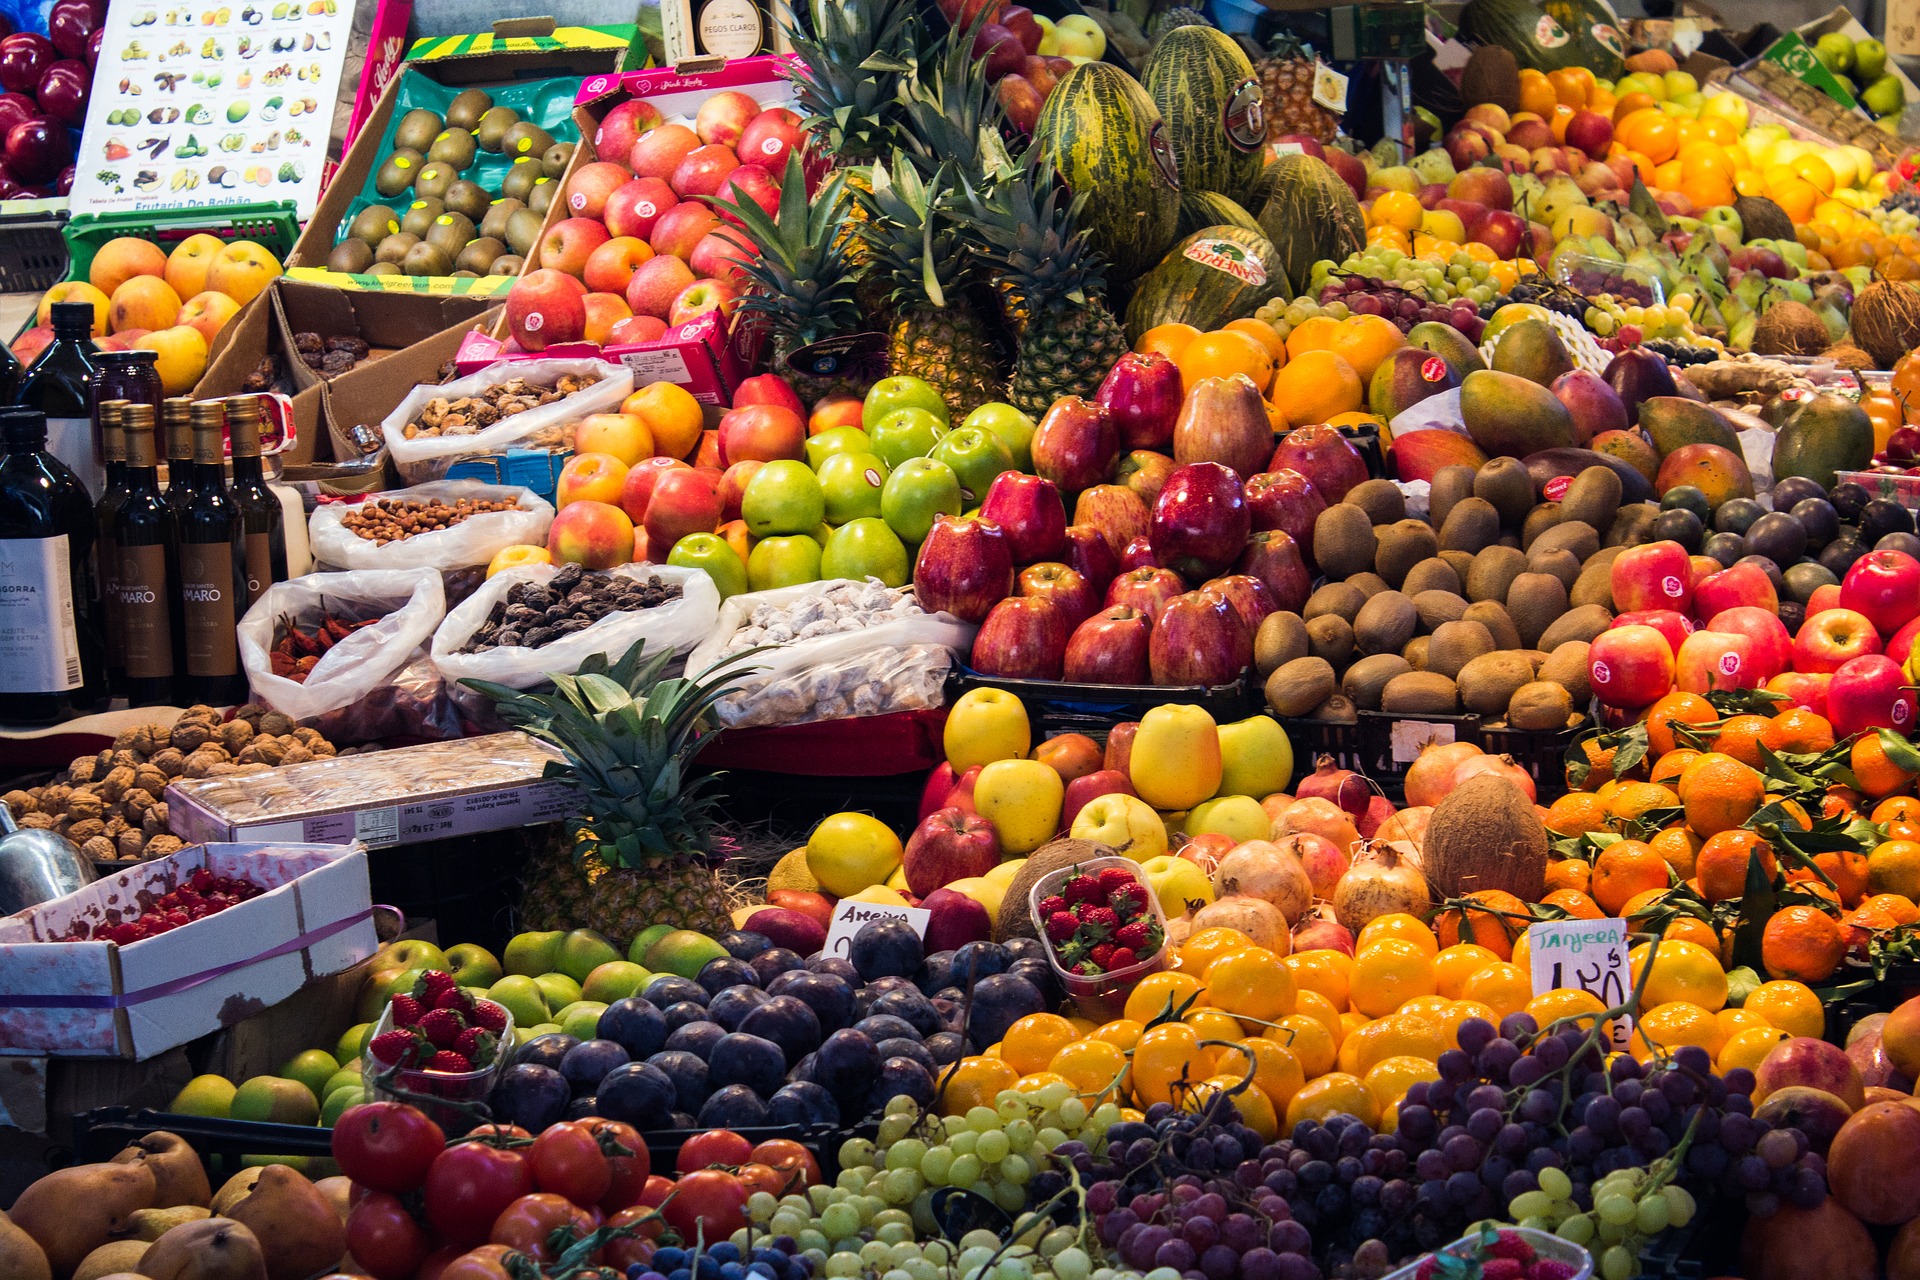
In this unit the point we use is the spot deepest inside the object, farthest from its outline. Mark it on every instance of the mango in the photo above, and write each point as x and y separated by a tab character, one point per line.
1508	415
1405	378
1826	434
1673	422
1530	349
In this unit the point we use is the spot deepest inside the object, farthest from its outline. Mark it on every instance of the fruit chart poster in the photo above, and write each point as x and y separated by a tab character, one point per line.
201	104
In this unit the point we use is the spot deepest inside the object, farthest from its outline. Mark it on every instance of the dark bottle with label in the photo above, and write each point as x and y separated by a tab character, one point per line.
213	578
52	663
143	529
263	523
132	376
10	372
106	551
59	382
176	429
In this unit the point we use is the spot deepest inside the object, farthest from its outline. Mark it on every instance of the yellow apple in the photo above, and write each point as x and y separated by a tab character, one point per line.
1003	874
1049	39
981	890
1021	798
986	725
1443	223
520	553
879	893
1073	43
1238	816
1085	27
1256	759
1175	762
898	880
1124	823
1176	883
848	852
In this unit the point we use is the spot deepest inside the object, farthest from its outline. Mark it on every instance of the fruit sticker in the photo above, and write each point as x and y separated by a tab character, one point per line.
1548	33
1434	369
1225	255
1601	673
1673	587
1555	489
1610	38
1246	116
1162	151
1730	664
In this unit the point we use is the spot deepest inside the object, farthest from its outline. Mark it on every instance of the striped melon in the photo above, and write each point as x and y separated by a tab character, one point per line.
1595	30
1206	91
1535	38
1210	209
1105	137
1309	214
1215	275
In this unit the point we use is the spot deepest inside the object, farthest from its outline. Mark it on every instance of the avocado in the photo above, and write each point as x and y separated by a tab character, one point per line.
523	229
399	172
451	232
434	178
493	127
373	224
236	112
394	248
420	215
426	259
350	256
455	146
417	130
520	177
468	198
525	138
556	158
479	255
494	221
465	110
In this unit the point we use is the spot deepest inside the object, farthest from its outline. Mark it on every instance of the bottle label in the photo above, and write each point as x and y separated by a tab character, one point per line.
39	642
144	612
259	551
206	590
731	28
107	557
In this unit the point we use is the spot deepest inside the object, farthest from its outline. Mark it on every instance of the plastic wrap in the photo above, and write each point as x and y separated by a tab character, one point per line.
470	544
425	458
408	603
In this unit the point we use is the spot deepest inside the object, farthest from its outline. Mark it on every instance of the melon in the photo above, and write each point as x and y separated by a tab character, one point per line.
1211	209
1106	138
1206	91
1309	214
1215	275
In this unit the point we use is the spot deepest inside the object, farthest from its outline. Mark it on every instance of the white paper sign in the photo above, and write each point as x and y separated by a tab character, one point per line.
1588	954
849	917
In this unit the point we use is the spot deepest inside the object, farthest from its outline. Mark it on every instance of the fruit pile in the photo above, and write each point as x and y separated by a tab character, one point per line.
438	1029
47	80
203	894
1100	923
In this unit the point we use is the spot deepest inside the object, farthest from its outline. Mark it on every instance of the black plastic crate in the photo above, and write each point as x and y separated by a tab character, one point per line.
1390	740
1312	739
33	253
1056	706
467	884
1542	755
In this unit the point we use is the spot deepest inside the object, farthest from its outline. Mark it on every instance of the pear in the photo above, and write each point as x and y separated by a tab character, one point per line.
299	1230
150	1224
114	1256
179	1177
337	1190
210	1249
71	1212
234	1189
21	1257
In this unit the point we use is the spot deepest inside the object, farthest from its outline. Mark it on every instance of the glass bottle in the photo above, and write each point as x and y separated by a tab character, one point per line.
106	551
10	372
132	376
262	519
213	579
176	424
59	383
52	664
143	530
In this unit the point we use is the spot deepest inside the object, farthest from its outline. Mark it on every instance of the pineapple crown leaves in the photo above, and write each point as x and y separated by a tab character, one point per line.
913	232
953	113
1026	228
847	78
803	282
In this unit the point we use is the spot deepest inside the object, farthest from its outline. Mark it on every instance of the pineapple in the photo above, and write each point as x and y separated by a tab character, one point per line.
847	75
1175	16
954	116
1051	285
923	258
1286	83
642	846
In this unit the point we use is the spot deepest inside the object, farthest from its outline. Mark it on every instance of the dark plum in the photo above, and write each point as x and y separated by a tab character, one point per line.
1805	578
1686	497
901	1076
683	1013
839	966
1838	556
546	1050
688	1074
973	961
582	1108
886	1026
1849	500
903	1048
728	1007
732	1107
744	944
1794	490
1792	613
669	988
1025	949
952	1012
1724	547
639	1094
1881	517
635	1025
915	1008
696	1038
1681	526
531	1096
886	949
802	1103
936	972
588	1061
787	1021
947	1048
1898	541
717	975
803	1069
1040	974
846	1064
775	961
1737	515
1817	517
828	995
998	1003
748	1060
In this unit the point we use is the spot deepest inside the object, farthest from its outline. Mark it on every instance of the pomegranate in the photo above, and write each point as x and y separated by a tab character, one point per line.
1323	860
1319	932
1431	775
1255	917
1342	786
1381	882
1317	817
1500	767
1262	869
1379	810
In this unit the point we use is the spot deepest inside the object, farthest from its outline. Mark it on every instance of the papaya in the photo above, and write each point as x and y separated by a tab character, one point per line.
1826	434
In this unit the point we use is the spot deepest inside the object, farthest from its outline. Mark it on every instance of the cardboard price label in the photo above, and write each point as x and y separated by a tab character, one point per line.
1588	954
849	917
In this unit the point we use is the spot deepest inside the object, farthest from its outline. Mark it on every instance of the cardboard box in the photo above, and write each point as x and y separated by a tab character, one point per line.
356	403
99	999
1842	20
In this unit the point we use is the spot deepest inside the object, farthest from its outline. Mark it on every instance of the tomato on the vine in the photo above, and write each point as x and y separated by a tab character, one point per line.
638	1247
384	1239
528	1224
785	1153
566	1160
468	1187
710	1201
755	1176
718	1146
630	1170
386	1146
488	1262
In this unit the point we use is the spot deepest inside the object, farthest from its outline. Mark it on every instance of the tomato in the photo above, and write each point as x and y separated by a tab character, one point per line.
468	1187
566	1160
383	1237
709	1201
528	1224
719	1146
488	1262
628	1250
764	1177
499	1132
785	1153
386	1146
629	1171
438	1261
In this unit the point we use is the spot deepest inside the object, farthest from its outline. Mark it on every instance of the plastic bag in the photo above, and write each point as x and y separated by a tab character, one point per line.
414	703
868	684
426	458
473	542
409	604
678	625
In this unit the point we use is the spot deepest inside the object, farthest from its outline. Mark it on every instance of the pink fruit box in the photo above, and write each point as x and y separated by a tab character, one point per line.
707	355
100	999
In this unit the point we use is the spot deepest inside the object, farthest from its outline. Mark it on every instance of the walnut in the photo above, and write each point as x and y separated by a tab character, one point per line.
150	779
201	765
135	803
100	849
169	761
154	820
275	723
189	734
264	750
115	826
246	769
201	711
235	734
308	736
213	751
18	801
85	804
222	769
140	739
103	762
39	821
54	798
161	845
115	784
296	753
251	713
323	749
82	769
81	832
125	760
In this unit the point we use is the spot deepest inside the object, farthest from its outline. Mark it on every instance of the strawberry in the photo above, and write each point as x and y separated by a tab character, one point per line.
1128	899
433	984
1087	969
1428	1268
489	1015
476	1045
1061	926
1496	1268
1122	958
1136	936
1115	877
455	999
1082	889
442	1027
448	1060
1550	1269
1102	955
394	1047
1052	904
1101	918
1508	1245
406	1011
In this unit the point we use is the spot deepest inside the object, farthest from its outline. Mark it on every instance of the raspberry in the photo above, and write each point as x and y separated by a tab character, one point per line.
448	1060
1115	877
1102	955
489	1015
1508	1245
1122	958
406	1011
1135	936
1061	926
1550	1269
442	1027
1101	918
433	984
1052	904
393	1047
1497	1268
1082	889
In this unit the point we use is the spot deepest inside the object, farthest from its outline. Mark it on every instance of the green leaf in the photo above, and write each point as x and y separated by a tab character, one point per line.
1757	905
1901	752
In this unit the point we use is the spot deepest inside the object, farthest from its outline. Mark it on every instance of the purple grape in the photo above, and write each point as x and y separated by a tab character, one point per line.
1177	1254
1475	1034
1288	1237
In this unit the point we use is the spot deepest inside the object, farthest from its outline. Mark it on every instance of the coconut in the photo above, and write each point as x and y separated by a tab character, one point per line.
1485	834
1790	328
1015	917
1886	321
1848	356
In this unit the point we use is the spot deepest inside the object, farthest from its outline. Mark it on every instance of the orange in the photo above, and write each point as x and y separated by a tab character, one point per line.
1669	176
1671	765
1575	903
1365	342
1493	928
1394	1036
1678	847
1733	1021
1387	974
1633	799
1721	867
1325	971
1458	1012
1651	132
1316	1006
1748	1048
1255	1108
1569	87
1334	1092
1388	1079
1251	983
1396	924
1739	737
1168	340
1848	871
1396	209
1575	812
1091	1066
1897	809
1315	385
1625	869
1223	353
1212	1024
1789	1005
1693	929
1898	907
1031	1043
1264	334
1505	988
1681	971
1674	1024
976	1082
1630	103
1569	873
1537	96
1563	1002
1558	121
1207	945
1894	867
1720	793
1165	1054
1276	1071
1803	943
1121	1033
1453	966
1798	729
1308	1040
1877	774
1159	992
1797	196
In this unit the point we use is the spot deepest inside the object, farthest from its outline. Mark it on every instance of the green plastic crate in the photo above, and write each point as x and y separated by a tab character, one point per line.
270	224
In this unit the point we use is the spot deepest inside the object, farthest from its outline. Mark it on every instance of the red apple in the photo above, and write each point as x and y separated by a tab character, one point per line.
751	182
768	388
703	171
1021	638
1803	689
623	126
1287	501
1142	396
718	256
545	308
1065	587
681	227
1248	596
964	567
1740	585
1590	131
1117	512
1772	646
1019	20
1021	99
1630	666
1675	626
1341	161
1273	558
610	267
1828	640
656	283
633	209
1711	660
733	484
1200	521
1138	554
1884	586
1075	445
1030	510
835	411
933	794
1484	186
1145	472
1655	575
762	433
1101	782
1149	590
570	242
683	502
635	330
1199	639
949	845
1001	48
592	185
1825	596
1502	232
641	479
700	297
770	138
723	118
1035	71
1089	555
1324	456
1110	648
1870	692
1901	644
657	153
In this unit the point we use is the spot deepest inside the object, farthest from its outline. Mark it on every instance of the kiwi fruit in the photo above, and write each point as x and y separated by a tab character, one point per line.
1300	686
1385	623
451	231
1431	574
1498	622
1368	584
394	248
1416	652
525	138
469	198
1559	562
1400	546
1455	644
1594	586
1566	666
1380	499
350	255
519	178
556	158
417	130
1583	623
465	275
1539	706
1569	535
384	269
1538	521
1593	497
1506	484
426	259
1459	561
1449	485
1338	709
523	229
1488	682
1330	636
435	177
541	194
467	107
1420	693
492	126
1436	607
1366	680
373	224
1341	599
398	172
1535	602
455	147
1282	637
494	222
1632	525
420	215
1343	541
1493	572
1472	525
509	265
478	257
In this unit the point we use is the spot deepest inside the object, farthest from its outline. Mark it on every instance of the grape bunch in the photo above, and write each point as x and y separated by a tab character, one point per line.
1899	212
1630	1206
1403	306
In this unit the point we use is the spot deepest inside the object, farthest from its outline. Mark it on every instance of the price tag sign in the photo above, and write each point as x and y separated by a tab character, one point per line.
1588	954
849	917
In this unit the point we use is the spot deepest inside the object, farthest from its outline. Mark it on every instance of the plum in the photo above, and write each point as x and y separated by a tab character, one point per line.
863	998
787	1021
911	1006
588	1061
998	1003
62	91
936	972
803	1103
15	108
748	1060
689	1075
828	995
731	1005
696	1038
775	961
636	1025
546	1050
885	949
839	966
802	1071
531	1096
1040	974
671	989
886	1026
639	1094
901	1047
1025	948
733	1107
953	1012
947	1048
901	1076
973	961
582	1108
847	1064
717	975
23	57
744	944
37	150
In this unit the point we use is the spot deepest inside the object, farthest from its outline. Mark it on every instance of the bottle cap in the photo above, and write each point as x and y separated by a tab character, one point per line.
72	319
23	429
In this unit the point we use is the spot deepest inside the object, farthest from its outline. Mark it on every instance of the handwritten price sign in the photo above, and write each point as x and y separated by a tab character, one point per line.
1588	954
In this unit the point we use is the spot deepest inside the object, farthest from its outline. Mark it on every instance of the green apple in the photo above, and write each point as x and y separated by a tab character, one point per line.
558	990
821	532
836	440
1835	49
866	548
275	1098
581	1019
473	965
783	497
353	1043
711	552
523	1034
337	1103
614	980
381	987
311	1069
1011	425
786	561
976	455
684	952
890	394
904	433
347	1077
532	953
851	482
918	490
581	952
521	996
637	949
1869	59
1724	215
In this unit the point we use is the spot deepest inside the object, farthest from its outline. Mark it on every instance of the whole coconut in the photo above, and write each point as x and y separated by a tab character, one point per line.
1886	321
1485	835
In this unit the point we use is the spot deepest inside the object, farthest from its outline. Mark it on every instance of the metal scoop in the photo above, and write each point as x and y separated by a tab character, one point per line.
37	866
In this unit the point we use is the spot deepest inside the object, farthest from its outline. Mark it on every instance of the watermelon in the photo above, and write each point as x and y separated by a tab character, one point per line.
1105	137
1533	36
1595	28
1309	214
1215	275
1210	209
1206	91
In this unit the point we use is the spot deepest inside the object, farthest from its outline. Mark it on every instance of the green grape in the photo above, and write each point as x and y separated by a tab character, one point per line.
1577	1229
1680	1205
1555	1183
903	1185
921	1269
993	1146
852	1179
1072	1264
1009	1197
856	1151
964	1144
981	1119
905	1153
1338	310
819	1197
1536	1224
935	1165
966	1169
1652	1215
840	1220
811	1238
1531	1204
1052	1095
1617	1263
1050	1137
1016	1170
1073	1112
875	1253
843	1266
1612	1232
893	1128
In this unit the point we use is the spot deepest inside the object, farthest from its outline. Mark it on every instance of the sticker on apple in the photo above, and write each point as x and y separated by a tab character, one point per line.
1602	673
534	322
1730	664
1672	586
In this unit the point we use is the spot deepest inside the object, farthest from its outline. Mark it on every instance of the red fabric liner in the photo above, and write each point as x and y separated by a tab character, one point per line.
863	747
